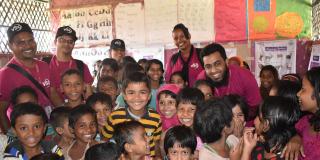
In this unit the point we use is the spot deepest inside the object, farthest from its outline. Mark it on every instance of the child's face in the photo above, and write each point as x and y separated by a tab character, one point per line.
238	114
106	70
26	97
155	72
103	111
109	88
167	105
29	129
267	79
137	96
259	124
85	128
176	79
140	144
65	130
185	113
306	98
72	86
207	91
179	153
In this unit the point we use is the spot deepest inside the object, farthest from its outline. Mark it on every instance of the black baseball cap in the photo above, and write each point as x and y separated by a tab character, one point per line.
118	44
66	30
16	28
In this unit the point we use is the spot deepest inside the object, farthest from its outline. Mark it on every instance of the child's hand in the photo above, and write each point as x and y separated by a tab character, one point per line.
236	151
238	128
293	148
250	139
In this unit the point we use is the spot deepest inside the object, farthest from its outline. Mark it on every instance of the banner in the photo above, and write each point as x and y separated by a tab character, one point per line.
281	54
230	18
93	25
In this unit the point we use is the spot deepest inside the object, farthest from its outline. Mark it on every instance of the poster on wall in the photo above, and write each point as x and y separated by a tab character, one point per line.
315	57
147	53
93	25
281	54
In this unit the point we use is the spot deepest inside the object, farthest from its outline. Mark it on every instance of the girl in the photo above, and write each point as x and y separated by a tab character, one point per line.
274	126
205	88
154	70
132	139
308	126
83	124
166	105
177	78
268	77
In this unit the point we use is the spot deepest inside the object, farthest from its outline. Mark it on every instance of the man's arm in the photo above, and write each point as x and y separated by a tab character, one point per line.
4	121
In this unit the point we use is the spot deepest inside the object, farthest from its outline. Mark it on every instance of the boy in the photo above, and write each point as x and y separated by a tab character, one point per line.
28	121
60	122
213	123
73	87
180	143
109	85
137	93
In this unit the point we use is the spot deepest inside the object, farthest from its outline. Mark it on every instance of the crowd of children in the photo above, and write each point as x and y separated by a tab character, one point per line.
134	113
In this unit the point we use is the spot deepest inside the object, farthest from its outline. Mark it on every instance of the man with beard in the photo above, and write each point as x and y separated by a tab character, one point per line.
23	70
231	79
63	60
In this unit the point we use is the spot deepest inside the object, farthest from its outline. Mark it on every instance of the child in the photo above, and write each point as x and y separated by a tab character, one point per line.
308	126
205	88
83	124
59	119
213	123
180	143
47	156
136	92
154	70
109	85
72	85
28	121
103	151
274	126
102	105
177	78
109	67
268	77
167	105
132	138
142	62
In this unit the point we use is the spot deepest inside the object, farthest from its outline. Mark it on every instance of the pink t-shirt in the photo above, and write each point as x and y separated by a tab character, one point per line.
194	69
240	82
311	142
57	68
11	79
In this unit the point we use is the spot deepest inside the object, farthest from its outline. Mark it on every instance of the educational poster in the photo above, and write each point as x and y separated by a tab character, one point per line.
197	15
281	54
293	21
160	18
129	22
261	19
315	56
93	25
231	20
147	53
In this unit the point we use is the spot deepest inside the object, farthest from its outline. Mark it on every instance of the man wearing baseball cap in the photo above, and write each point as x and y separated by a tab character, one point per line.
22	70
63	60
117	49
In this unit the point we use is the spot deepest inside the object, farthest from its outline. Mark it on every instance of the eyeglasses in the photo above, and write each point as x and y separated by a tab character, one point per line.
25	43
62	40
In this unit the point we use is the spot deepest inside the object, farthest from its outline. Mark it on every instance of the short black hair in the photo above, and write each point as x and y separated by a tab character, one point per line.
127	59
201	82
123	133
70	72
190	95
167	92
110	62
288	89
232	100
59	115
106	79
99	97
136	77
210	119
282	115
77	112
178	73
27	108
22	90
103	151
47	156
211	49
129	69
182	135
183	28
143	60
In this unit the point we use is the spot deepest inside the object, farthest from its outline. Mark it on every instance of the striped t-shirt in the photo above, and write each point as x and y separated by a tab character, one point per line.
151	122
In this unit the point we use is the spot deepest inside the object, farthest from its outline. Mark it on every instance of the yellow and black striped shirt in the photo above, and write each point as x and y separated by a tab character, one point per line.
151	122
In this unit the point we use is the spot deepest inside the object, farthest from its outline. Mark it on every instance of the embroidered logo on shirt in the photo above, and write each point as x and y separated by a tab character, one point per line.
194	65
46	83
